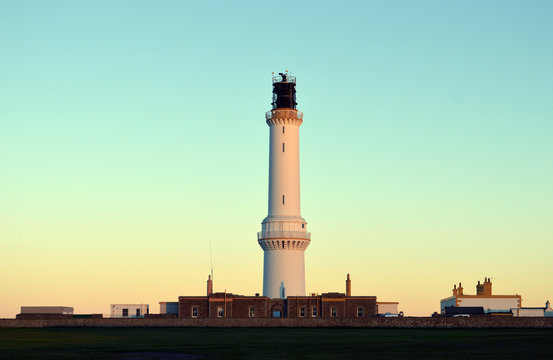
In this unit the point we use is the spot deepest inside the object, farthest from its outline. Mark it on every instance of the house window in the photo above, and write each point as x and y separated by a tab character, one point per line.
303	226
282	147
333	312
220	312
282	199
252	312
137	312
314	311
283	129
125	312
302	312
194	312
359	312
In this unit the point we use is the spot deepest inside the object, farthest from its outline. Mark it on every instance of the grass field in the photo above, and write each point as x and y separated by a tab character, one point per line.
274	343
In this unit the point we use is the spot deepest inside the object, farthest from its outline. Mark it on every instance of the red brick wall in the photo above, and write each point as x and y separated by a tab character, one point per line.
239	306
367	304
186	304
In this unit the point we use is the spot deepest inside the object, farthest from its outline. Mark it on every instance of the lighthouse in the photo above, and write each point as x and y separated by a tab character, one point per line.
283	236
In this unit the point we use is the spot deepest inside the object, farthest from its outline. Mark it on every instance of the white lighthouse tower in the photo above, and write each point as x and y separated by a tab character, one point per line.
283	236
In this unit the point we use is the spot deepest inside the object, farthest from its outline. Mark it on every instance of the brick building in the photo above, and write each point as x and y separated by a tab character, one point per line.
228	305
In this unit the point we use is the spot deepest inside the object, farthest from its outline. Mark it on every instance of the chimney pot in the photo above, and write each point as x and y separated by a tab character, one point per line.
209	285
348	286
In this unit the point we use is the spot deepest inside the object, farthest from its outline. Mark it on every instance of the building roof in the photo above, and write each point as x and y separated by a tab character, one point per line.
46	309
454	310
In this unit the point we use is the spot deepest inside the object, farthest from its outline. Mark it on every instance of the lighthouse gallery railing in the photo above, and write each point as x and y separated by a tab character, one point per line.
284	114
264	235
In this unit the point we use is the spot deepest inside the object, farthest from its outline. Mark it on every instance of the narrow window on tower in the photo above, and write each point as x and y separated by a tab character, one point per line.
282	199
283	129
282	147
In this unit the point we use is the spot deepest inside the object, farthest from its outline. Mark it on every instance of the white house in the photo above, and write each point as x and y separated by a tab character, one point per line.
483	298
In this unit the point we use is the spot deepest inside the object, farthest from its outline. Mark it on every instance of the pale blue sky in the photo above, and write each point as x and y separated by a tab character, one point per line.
132	133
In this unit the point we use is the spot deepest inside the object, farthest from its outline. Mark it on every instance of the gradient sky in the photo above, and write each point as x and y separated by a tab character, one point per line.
132	135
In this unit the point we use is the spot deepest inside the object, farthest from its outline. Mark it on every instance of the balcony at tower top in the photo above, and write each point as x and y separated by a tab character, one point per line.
283	114
281	77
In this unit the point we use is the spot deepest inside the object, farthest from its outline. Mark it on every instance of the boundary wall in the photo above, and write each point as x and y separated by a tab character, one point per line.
406	322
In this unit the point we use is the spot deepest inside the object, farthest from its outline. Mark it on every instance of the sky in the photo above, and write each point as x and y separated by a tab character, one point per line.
133	138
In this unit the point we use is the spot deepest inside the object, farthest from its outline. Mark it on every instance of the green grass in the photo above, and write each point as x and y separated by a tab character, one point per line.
274	343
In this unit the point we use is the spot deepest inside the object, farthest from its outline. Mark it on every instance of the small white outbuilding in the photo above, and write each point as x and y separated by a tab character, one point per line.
129	310
546	311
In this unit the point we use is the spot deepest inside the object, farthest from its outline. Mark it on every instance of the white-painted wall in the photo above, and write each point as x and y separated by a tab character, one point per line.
387	308
283	268
284	235
117	309
63	310
168	307
528	312
493	303
284	169
447	302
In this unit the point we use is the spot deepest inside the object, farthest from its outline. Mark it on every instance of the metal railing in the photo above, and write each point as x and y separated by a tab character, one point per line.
283	114
263	235
289	78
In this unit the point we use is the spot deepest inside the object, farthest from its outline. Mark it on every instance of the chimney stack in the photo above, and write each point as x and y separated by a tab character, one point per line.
484	289
460	290
488	287
209	286
348	286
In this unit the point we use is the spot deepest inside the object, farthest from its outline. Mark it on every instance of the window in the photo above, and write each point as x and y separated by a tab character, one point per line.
359	312
333	312
283	129
125	312
302	312
194	312
137	312
282	147
282	199
303	226
220	312
252	312
314	311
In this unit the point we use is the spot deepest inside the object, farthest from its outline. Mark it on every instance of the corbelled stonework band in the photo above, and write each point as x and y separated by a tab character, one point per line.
284	117
280	244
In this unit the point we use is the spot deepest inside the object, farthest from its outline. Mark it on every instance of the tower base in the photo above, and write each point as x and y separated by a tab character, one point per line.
283	273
